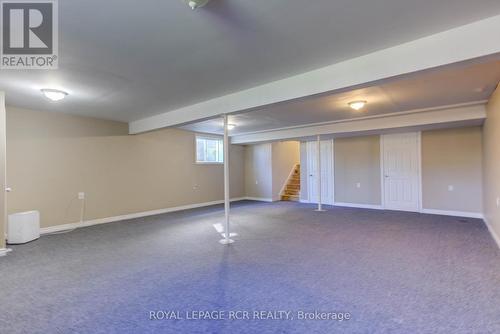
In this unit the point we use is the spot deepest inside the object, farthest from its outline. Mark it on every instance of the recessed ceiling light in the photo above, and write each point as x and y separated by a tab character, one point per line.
357	105
54	94
231	126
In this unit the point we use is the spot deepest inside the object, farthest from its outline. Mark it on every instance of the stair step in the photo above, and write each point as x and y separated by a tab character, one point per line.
293	192
293	198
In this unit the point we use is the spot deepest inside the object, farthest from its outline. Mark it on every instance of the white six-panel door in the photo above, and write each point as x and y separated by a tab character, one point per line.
401	171
327	187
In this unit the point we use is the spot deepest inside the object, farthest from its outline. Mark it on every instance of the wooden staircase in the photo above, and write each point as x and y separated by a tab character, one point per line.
291	191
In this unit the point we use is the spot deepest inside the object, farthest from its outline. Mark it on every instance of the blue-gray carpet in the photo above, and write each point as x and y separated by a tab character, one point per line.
393	272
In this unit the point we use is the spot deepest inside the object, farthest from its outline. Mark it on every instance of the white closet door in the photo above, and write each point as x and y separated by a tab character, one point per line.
401	171
326	171
312	184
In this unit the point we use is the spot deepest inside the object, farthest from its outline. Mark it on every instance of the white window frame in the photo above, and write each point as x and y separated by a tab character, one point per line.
220	151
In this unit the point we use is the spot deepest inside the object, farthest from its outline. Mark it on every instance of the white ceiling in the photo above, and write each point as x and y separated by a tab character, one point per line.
456	84
127	59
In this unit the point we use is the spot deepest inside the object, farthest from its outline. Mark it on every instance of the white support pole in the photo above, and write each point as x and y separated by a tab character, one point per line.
226	240
318	172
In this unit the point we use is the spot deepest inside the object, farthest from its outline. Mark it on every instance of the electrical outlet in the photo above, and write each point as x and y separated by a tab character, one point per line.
195	187
81	195
256	182
451	188
498	202
358	185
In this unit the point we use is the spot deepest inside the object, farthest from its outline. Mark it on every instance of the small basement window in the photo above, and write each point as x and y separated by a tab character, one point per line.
209	150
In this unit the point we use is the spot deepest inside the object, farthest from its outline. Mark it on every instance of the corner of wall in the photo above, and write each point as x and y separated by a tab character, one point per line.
3	169
491	165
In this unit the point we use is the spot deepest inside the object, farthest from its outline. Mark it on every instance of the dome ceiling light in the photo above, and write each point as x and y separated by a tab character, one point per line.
357	105
54	94
196	3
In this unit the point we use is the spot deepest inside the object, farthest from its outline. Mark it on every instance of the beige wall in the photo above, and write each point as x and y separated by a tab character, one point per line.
285	155
267	167
491	163
3	211
452	158
52	157
258	171
357	160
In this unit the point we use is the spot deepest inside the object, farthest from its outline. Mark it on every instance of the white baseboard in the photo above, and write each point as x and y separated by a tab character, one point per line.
259	199
494	235
71	226
348	205
360	206
427	211
453	213
4	251
60	228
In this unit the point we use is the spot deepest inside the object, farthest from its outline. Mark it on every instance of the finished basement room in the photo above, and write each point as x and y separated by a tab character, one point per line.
250	167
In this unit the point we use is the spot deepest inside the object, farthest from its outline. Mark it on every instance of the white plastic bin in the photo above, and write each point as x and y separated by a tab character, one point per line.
23	227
